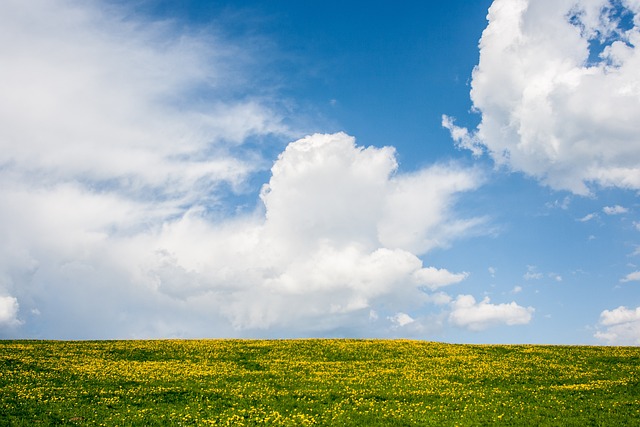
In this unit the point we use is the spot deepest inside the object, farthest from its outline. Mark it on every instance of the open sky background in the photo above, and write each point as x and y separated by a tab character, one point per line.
461	171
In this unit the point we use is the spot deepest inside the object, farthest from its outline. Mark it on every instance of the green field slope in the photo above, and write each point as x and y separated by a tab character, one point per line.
315	382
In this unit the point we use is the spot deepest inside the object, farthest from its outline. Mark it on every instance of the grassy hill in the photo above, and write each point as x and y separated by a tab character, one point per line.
316	382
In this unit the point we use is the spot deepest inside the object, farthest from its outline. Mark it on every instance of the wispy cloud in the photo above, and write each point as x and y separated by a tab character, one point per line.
98	99
462	137
556	277
588	217
111	128
631	277
614	210
532	273
560	204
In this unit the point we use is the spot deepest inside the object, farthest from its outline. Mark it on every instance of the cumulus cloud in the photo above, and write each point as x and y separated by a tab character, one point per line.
8	311
318	256
620	326
558	91
477	316
118	139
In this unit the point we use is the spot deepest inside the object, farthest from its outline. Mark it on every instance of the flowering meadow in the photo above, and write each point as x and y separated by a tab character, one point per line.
315	382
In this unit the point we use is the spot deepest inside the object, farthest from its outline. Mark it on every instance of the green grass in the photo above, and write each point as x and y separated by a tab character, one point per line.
315	382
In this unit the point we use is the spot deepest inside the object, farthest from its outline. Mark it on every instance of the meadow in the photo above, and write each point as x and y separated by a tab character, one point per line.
315	382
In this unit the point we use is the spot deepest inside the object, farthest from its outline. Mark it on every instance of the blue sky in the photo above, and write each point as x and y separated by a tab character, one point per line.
460	171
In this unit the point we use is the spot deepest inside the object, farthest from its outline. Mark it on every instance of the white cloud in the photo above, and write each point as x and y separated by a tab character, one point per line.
564	204
552	109
313	261
477	316
8	311
420	224
438	298
401	319
101	143
635	276
556	277
516	289
532	273
619	315
113	173
492	271
321	244
435	278
97	98
588	217
621	326
462	137
614	210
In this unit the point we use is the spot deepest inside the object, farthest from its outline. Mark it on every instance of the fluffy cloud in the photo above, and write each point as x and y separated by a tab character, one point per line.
113	172
8	311
316	258
621	326
319	258
559	93
476	316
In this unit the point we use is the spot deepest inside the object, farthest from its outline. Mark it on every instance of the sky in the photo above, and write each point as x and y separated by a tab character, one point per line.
462	171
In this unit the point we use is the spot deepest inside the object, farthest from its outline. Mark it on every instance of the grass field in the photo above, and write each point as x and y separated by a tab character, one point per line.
315	382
